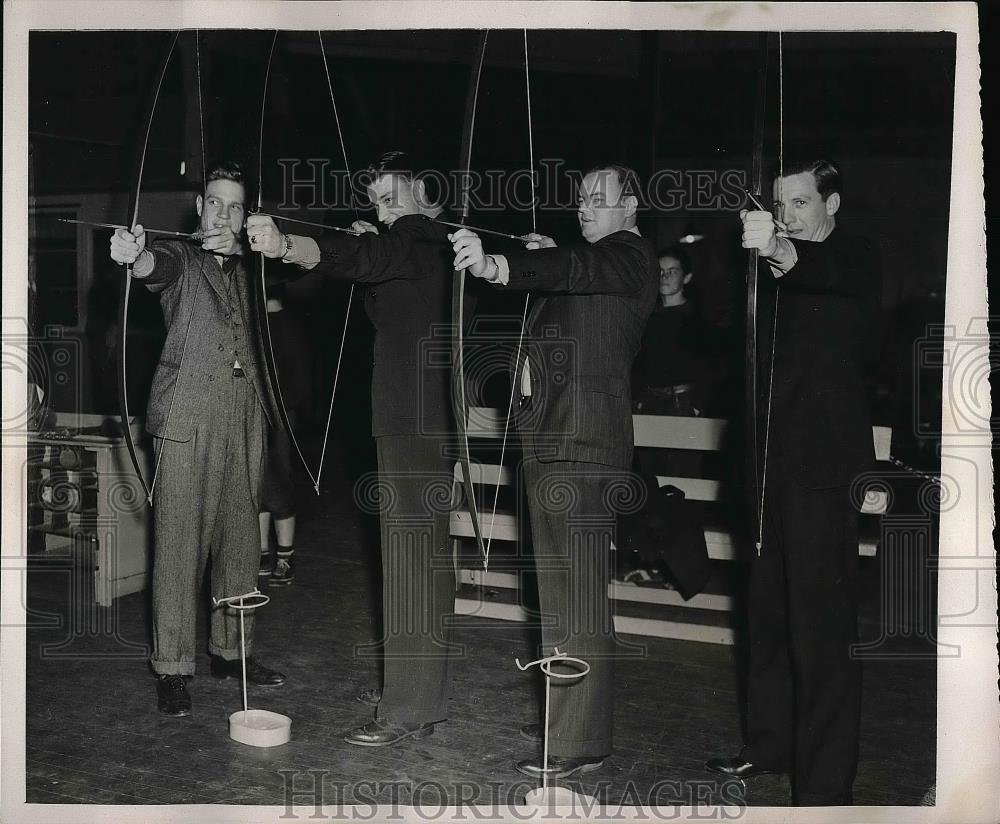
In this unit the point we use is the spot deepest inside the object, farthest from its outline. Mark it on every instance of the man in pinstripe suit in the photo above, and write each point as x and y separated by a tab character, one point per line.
597	297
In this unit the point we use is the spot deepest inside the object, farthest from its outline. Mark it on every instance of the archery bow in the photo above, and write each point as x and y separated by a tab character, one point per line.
458	300
757	475
777	294
750	331
524	314
126	288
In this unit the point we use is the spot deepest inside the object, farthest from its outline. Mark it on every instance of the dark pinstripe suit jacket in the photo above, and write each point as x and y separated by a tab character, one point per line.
583	333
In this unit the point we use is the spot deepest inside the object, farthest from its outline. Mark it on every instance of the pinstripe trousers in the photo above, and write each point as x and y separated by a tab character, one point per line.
205	507
418	579
572	527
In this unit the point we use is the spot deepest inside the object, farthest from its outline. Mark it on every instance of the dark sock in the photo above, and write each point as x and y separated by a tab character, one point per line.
286	552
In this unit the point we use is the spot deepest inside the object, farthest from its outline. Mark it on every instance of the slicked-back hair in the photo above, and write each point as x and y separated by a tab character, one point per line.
628	180
824	171
401	163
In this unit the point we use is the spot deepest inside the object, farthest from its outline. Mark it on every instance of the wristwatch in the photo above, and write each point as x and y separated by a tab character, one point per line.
288	248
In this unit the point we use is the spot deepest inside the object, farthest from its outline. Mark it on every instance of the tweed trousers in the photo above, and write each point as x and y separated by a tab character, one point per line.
205	508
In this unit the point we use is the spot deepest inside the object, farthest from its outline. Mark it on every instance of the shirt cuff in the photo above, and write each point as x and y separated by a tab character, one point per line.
784	258
144	264
305	252
503	270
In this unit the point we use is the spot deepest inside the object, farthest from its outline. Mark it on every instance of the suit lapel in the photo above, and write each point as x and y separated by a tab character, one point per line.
214	275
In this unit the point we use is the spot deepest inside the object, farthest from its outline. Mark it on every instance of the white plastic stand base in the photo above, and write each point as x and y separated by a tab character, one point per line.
550	799
260	728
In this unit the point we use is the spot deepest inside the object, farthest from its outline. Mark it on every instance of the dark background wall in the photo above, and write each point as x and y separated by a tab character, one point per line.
880	103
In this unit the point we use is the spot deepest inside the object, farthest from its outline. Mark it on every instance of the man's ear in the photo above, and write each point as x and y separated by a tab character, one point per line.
631	205
199	204
687	278
833	204
420	193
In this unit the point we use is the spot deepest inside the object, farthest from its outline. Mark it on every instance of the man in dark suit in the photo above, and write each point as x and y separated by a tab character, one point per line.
593	301
405	271
209	406
804	688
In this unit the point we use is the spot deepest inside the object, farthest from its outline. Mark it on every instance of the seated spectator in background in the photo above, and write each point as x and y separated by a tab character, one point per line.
679	368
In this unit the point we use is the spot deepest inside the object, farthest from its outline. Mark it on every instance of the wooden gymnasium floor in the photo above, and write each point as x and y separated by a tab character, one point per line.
94	736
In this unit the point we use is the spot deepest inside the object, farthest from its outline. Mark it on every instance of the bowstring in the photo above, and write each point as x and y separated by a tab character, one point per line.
263	264
201	110
350	294
777	292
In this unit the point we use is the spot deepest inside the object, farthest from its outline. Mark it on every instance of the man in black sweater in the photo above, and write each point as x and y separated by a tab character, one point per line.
593	301
804	688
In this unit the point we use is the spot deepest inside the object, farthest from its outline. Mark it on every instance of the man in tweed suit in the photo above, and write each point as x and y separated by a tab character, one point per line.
596	297
209	407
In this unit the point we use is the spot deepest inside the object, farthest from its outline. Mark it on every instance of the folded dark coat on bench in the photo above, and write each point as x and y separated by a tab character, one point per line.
667	532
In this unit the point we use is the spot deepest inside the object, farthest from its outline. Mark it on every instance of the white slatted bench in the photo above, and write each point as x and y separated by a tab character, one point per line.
652	431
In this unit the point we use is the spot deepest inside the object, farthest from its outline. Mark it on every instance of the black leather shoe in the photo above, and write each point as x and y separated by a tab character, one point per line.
172	696
533	732
560	767
284	572
385	734
739	767
257	673
370	696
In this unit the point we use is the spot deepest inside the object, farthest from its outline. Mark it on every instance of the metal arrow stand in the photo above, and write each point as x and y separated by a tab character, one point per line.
547	797
256	728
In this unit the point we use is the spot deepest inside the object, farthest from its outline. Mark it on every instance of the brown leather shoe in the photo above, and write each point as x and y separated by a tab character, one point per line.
379	733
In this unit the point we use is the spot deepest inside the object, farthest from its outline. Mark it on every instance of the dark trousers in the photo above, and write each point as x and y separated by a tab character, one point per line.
804	690
278	493
571	535
205	506
418	577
